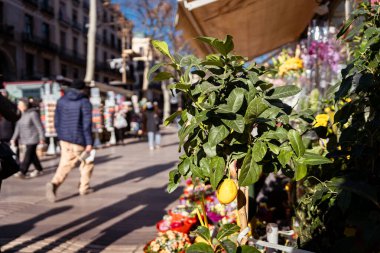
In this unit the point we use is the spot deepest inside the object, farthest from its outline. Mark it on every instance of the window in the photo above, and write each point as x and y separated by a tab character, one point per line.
46	31
113	44
105	56
105	35
96	77
47	68
105	16
75	73
1	12
63	40
29	62
75	45
112	56
105	79
119	44
62	11
45	3
85	47
63	70
28	29
75	17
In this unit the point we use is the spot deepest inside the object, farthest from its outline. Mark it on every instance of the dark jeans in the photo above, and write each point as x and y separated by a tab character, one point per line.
119	132
29	158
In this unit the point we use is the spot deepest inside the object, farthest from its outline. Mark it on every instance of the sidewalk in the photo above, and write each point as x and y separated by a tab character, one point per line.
120	216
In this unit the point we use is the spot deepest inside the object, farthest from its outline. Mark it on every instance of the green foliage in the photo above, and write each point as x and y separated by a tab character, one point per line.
223	241
342	213
226	102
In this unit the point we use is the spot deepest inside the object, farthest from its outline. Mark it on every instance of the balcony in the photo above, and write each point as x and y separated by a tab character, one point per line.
32	3
72	56
64	20
39	42
47	9
76	26
6	31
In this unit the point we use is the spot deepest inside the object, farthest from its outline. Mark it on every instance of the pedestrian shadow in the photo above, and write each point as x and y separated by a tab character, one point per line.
10	232
153	200
139	175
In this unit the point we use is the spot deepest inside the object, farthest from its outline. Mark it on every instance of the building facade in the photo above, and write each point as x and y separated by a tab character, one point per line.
48	38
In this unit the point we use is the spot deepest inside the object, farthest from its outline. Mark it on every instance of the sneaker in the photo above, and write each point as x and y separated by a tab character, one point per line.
51	190
151	148
87	191
36	173
158	147
19	175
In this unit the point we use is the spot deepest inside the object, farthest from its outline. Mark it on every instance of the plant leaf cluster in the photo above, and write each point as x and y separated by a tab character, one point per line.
231	114
345	216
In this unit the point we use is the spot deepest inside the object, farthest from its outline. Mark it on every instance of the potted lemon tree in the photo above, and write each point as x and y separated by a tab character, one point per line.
234	128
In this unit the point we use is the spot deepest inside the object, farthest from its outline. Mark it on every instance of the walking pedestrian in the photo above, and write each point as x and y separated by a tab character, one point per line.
120	124
152	122
6	127
29	132
8	111
73	122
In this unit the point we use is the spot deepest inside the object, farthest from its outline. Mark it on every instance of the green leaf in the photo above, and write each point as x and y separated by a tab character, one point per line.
200	247
154	69
217	134
259	150
283	91
213	60
217	170
161	76
206	87
196	171
203	232
189	61
250	171
205	166
314	159
162	46
174	179
207	40
236	99
237	124
274	148
284	157
184	166
270	113
209	149
170	119
301	171
255	108
247	249
345	27
229	246
226	230
223	47
296	142
179	86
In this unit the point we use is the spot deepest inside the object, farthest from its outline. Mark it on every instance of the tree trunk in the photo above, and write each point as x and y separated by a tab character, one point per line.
242	211
91	37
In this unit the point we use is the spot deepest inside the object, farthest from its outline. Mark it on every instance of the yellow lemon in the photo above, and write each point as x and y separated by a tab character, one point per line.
227	191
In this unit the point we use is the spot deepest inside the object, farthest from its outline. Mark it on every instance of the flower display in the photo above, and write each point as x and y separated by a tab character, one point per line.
168	242
290	64
321	120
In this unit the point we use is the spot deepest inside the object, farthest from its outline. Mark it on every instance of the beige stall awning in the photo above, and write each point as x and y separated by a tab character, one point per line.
258	26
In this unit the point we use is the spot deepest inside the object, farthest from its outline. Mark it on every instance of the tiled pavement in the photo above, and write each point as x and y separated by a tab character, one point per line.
120	216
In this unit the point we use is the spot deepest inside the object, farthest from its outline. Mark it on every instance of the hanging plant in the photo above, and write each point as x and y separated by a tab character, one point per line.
234	125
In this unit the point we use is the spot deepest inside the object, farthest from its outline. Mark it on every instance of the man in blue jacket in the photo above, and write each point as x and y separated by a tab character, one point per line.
73	123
